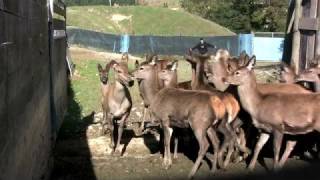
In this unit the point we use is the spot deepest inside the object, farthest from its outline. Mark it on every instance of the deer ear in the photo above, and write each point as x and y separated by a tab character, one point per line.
99	67
113	63
174	66
136	64
153	61
251	63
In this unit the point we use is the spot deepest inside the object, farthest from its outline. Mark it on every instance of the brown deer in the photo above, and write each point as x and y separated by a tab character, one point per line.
146	90
181	108
221	67
275	113
198	63
116	100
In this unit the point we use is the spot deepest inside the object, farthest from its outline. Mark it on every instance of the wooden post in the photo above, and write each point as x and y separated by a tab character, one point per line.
295	55
317	48
310	54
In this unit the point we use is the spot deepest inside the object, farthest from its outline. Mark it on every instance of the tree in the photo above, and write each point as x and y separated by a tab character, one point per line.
242	15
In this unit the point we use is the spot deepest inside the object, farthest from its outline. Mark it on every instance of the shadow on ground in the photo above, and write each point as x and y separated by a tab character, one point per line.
74	127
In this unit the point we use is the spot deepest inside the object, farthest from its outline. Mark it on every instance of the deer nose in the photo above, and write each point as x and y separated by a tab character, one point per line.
131	83
104	80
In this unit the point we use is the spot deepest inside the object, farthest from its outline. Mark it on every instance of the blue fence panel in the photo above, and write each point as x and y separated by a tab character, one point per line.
246	43
268	48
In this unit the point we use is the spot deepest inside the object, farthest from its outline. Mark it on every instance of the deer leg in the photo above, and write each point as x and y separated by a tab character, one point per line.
228	140
167	132
261	142
175	152
215	144
120	131
103	123
289	147
111	128
228	156
242	141
277	141
203	148
141	128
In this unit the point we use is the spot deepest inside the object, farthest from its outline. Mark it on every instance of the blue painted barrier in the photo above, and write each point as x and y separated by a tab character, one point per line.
125	42
268	48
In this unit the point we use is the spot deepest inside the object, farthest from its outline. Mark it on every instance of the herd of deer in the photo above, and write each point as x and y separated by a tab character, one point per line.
222	96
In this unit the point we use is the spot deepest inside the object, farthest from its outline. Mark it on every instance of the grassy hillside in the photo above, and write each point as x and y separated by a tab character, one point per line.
141	20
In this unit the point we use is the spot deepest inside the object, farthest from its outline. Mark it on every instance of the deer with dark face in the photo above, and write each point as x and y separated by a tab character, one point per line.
116	100
182	109
275	113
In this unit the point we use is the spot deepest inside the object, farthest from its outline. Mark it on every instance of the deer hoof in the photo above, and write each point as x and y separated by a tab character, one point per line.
118	151
251	167
166	164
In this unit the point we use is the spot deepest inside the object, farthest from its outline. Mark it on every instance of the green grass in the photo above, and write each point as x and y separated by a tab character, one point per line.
145	20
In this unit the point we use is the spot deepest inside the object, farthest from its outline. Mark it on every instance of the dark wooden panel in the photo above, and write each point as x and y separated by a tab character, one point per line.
59	24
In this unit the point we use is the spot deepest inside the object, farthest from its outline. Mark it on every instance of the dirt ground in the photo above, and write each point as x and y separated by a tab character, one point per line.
86	154
88	157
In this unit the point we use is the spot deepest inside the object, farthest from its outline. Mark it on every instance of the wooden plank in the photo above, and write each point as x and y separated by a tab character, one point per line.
310	52
1	5
295	53
307	23
317	48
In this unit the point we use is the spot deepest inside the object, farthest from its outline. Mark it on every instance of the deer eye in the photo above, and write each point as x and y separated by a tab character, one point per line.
141	68
237	73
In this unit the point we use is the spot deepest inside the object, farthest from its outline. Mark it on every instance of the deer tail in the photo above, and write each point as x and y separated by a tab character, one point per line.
218	107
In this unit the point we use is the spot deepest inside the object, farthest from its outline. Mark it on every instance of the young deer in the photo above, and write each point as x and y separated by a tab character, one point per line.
147	89
116	100
181	108
275	113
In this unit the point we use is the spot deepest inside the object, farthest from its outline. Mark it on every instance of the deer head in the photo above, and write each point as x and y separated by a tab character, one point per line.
241	75
125	58
169	75
287	74
121	73
144	70
103	73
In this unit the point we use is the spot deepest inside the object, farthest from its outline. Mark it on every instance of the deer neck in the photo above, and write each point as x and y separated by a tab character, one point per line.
173	82
193	77
149	88
198	79
250	97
